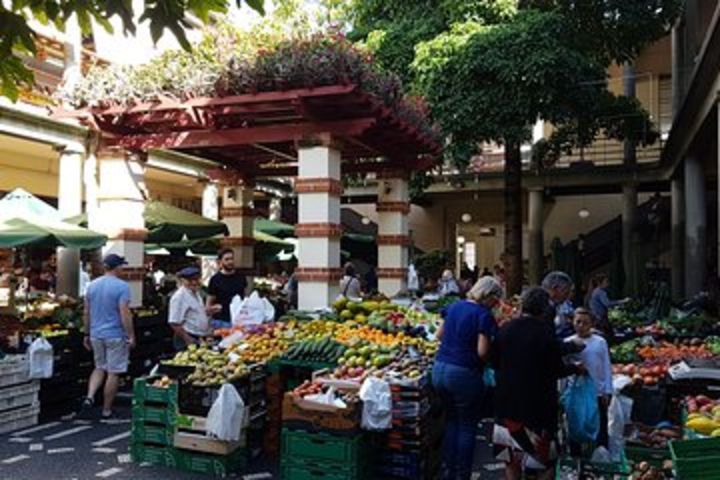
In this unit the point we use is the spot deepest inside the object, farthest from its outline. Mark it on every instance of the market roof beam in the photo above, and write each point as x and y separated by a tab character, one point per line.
242	136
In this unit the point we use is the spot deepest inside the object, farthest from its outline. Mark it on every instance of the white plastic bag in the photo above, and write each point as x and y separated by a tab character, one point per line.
41	358
254	311
377	404
619	413
227	416
235	306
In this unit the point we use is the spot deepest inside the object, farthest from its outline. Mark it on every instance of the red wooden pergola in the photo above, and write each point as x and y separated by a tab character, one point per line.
257	134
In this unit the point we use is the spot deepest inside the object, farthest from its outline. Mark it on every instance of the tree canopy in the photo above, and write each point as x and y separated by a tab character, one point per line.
490	70
17	38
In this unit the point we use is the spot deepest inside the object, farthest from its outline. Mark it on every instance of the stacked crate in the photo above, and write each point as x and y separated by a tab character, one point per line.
307	456
154	412
154	339
256	401
19	406
274	390
72	366
411	448
163	436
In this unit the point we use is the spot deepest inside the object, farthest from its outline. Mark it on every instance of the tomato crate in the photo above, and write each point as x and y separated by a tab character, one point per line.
696	459
144	392
218	465
293	469
151	454
152	434
143	413
301	445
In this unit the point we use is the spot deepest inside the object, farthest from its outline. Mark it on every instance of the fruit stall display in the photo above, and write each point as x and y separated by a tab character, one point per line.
341	348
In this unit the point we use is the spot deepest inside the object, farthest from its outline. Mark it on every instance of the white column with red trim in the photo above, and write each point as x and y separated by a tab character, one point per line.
238	213
210	209
319	188
121	205
393	240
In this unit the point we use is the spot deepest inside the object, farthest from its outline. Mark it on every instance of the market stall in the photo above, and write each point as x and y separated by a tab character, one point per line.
305	382
27	222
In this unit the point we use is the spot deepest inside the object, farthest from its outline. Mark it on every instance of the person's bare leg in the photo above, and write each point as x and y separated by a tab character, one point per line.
513	470
111	388
96	380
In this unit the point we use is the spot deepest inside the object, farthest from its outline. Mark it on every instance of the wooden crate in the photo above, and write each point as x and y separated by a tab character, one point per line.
19	418
20	395
201	443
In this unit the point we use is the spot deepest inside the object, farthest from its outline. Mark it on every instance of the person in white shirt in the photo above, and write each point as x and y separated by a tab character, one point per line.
350	284
187	314
84	279
596	360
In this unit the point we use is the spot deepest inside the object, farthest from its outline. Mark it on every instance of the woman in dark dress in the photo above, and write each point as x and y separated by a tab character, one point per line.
528	362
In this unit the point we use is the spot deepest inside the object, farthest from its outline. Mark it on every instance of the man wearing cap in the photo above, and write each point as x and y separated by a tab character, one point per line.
108	331
187	315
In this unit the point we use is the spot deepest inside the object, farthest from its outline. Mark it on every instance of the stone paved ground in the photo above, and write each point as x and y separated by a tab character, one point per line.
73	449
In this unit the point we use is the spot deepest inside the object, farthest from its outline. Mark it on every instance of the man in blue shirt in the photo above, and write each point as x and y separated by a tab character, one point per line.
108	331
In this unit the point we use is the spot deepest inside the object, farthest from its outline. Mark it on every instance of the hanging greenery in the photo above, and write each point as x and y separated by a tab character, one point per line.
230	62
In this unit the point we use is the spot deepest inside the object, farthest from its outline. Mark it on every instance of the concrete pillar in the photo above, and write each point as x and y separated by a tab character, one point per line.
121	204
70	176
536	240
318	188
695	226
677	188
239	215
677	68
629	221
210	209
393	239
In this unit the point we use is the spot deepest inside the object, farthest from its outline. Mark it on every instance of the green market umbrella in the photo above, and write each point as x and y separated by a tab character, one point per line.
166	223
210	246
271	227
25	220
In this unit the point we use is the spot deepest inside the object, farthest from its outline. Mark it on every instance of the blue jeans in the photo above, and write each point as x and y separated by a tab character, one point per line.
461	392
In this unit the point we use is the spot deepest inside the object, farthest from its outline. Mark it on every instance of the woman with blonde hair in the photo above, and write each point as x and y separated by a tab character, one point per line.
457	376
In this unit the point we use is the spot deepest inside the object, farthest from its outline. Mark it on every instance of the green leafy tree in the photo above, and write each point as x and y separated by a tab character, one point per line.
488	78
17	38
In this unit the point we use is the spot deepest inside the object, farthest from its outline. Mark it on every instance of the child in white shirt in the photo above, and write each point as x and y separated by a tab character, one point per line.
596	359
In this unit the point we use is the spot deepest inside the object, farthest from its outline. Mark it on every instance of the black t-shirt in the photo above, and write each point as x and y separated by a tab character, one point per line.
224	287
528	364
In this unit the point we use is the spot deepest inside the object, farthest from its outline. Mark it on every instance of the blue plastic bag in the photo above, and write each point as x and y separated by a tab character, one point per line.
581	409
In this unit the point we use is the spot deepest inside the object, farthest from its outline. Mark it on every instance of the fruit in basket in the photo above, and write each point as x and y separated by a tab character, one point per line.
703	425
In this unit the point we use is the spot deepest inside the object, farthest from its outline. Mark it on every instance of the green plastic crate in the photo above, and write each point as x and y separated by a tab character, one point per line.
300	445
164	415
654	456
143	392
155	434
219	465
152	454
696	459
310	470
612	471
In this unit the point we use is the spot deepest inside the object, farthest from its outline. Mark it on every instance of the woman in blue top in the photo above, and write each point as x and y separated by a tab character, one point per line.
457	376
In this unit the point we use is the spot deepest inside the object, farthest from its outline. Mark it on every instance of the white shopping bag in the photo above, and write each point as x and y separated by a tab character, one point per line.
41	358
227	416
254	311
377	404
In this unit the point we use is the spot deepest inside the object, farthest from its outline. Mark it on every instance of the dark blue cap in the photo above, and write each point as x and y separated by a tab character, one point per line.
189	272
113	260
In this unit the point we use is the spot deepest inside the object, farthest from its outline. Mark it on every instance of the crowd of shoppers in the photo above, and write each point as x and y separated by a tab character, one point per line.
547	340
